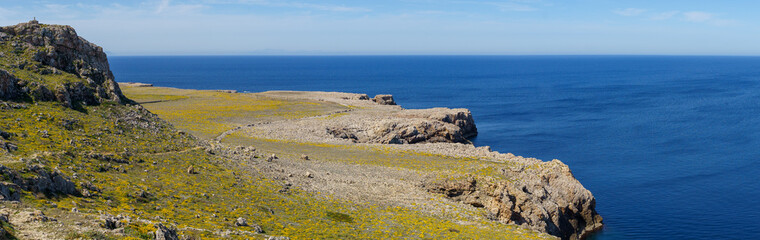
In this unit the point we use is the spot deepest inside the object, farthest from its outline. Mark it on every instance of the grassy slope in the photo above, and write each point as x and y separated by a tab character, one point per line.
368	221
179	197
224	190
207	114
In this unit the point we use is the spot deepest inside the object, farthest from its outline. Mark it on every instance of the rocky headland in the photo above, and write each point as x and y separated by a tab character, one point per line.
83	157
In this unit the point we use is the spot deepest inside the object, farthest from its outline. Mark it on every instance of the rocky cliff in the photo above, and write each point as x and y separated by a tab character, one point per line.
73	70
546	198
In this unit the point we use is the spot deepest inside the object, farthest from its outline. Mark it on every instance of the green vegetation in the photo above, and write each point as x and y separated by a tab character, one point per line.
211	199
18	59
207	114
126	161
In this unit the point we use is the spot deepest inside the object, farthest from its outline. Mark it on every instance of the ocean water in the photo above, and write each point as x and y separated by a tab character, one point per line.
669	146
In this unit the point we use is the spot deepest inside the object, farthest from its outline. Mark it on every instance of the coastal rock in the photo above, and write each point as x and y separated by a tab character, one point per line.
547	199
460	117
384	99
416	131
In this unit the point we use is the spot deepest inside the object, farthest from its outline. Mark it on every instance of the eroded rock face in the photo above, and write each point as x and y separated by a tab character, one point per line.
9	192
547	199
62	49
165	233
416	131
460	117
8	86
384	99
45	181
409	127
50	182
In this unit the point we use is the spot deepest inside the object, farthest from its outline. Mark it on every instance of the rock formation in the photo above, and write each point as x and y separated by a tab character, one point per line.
8	86
547	199
384	99
56	49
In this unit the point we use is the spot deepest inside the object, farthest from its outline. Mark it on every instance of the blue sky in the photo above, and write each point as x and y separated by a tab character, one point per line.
301	27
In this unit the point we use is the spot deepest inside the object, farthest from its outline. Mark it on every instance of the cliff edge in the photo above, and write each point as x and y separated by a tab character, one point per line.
70	69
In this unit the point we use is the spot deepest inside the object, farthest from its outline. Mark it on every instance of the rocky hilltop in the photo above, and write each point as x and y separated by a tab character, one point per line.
73	70
80	159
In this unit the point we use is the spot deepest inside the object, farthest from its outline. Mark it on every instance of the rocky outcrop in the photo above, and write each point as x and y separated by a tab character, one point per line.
9	192
60	48
416	131
547	199
408	127
461	117
8	86
113	222
44	181
165	233
384	99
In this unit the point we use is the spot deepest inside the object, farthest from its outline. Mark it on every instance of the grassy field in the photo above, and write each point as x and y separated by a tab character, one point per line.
319	214
207	114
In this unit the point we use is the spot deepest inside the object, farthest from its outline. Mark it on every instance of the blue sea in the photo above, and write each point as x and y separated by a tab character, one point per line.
668	145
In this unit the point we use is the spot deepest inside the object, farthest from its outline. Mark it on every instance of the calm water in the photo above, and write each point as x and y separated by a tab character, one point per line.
670	146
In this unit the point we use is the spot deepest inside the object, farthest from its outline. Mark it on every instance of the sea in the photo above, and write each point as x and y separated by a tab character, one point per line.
668	145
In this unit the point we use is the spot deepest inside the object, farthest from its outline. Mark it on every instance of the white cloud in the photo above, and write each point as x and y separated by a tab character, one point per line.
629	12
697	16
664	15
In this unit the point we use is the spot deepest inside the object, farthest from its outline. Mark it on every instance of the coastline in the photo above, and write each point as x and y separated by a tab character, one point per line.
83	157
358	118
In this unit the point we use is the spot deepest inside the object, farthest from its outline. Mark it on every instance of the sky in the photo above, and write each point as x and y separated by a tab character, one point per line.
404	27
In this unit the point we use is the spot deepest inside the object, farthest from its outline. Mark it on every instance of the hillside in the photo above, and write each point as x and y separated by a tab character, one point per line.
83	160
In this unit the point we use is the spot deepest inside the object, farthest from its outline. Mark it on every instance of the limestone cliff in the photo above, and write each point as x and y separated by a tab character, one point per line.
74	70
547	198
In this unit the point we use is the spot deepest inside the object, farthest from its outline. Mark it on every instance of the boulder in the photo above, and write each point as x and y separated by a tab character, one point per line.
241	222
256	228
113	222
